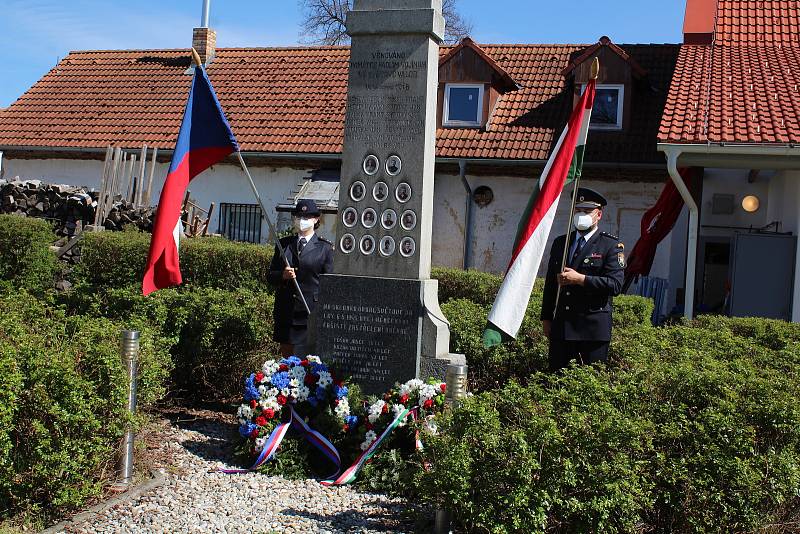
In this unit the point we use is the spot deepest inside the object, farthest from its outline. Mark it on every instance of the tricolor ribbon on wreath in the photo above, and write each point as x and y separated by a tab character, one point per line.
323	444
276	437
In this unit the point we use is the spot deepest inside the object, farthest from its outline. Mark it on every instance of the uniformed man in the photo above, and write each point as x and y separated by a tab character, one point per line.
580	329
309	256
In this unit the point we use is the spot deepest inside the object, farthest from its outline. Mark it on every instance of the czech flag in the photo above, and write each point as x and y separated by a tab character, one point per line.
205	139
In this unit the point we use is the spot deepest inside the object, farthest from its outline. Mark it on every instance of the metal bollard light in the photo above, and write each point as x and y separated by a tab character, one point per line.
456	380
130	356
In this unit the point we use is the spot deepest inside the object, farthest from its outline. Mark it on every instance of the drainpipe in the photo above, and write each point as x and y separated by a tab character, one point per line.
462	172
206	11
672	153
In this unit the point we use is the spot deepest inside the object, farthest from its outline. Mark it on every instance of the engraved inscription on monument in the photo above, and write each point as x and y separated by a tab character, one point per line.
371	329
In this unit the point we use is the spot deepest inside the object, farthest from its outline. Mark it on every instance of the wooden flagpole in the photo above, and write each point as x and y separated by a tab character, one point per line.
272	228
593	74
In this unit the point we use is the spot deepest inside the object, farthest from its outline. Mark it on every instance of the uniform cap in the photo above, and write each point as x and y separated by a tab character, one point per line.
306	207
589	198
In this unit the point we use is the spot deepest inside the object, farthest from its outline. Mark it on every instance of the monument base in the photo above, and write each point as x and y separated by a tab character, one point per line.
382	330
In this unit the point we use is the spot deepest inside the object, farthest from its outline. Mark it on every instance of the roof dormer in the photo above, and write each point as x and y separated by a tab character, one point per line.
615	83
470	84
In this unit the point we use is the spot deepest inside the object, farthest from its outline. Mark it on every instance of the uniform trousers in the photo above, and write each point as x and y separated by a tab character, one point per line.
585	352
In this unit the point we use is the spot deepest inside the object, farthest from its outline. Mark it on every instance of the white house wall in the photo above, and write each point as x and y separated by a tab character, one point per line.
220	183
494	226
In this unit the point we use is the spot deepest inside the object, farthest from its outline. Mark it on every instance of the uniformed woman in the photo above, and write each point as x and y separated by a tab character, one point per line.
309	256
579	327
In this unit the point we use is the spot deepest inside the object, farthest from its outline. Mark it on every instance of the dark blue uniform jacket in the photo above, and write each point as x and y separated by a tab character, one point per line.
584	312
316	259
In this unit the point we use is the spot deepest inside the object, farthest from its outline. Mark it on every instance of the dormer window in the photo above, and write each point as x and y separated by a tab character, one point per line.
463	105
608	104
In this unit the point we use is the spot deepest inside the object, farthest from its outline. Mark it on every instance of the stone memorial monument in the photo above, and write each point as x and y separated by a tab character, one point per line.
379	319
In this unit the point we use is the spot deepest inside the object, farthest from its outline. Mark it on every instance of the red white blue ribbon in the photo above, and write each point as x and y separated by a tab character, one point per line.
276	437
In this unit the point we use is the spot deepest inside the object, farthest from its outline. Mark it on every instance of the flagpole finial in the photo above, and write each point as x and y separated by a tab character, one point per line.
595	68
196	58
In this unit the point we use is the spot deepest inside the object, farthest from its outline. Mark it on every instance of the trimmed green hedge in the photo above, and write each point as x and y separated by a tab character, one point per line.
697	430
25	257
217	336
467	297
117	259
66	392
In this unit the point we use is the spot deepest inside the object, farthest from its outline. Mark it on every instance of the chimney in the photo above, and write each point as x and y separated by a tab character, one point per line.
699	21
204	40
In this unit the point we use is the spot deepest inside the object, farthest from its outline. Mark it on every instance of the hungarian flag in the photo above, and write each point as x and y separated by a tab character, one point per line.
534	228
205	138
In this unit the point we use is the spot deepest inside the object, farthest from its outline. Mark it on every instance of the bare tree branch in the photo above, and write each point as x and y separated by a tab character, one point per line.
323	22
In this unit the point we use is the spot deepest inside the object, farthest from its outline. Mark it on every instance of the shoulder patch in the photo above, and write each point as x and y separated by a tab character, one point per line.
612	236
326	241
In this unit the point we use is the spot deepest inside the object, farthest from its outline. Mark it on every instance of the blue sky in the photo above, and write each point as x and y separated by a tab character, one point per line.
34	34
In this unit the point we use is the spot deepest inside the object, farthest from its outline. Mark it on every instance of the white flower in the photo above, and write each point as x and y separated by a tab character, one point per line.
398	409
262	390
294	383
426	391
375	411
365	446
245	412
313	359
324	379
298	372
269	368
409	387
269	402
342	409
302	393
286	392
260	442
370	436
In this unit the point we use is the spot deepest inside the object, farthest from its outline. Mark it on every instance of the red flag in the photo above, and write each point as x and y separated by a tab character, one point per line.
205	138
657	222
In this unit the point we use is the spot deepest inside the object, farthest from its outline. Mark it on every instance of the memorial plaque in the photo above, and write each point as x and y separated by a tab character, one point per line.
372	326
378	318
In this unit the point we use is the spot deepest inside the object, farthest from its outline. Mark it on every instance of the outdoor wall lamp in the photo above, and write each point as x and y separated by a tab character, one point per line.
750	203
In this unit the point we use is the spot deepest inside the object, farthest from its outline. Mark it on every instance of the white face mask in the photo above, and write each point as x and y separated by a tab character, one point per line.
304	225
582	221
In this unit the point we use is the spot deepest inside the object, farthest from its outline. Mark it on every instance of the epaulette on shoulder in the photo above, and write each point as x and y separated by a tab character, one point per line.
612	236
326	241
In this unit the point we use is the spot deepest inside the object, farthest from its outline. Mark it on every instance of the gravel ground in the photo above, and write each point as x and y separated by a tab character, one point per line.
190	447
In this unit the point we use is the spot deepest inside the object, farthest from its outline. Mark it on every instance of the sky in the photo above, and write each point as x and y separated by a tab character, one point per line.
35	34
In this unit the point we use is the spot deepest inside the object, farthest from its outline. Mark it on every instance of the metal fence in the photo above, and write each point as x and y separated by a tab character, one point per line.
240	222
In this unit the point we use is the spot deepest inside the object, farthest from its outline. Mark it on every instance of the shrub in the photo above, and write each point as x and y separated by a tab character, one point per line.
476	286
69	404
490	367
205	262
562	456
216	335
25	256
700	424
632	310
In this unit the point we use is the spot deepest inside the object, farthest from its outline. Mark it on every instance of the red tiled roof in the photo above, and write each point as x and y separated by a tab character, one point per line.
758	22
743	88
292	100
